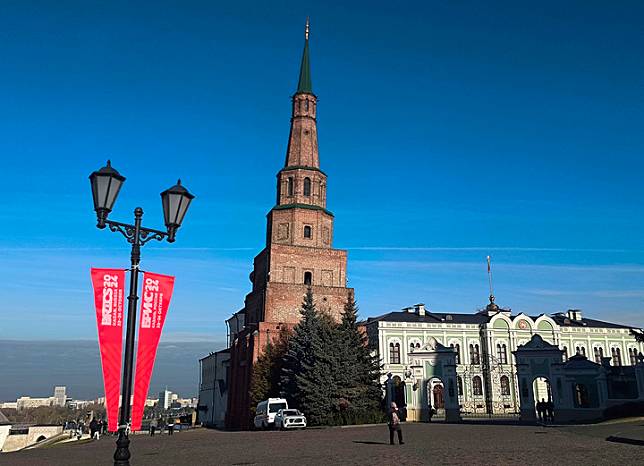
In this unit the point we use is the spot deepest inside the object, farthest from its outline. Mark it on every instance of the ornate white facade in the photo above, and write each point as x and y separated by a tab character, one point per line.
483	344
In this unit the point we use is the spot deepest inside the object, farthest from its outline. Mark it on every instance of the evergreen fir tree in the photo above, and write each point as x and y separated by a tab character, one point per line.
307	377
358	369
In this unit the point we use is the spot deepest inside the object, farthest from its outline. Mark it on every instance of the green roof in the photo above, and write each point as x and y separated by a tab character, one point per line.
297	205
304	85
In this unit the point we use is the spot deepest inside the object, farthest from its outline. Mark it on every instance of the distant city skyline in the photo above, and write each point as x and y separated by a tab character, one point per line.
33	368
500	129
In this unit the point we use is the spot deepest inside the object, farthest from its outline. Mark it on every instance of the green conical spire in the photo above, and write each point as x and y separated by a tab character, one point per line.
304	85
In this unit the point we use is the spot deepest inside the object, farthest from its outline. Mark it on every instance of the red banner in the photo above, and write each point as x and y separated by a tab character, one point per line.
157	292
109	292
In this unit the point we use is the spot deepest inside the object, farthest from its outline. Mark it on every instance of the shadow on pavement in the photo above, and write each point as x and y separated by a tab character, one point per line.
367	442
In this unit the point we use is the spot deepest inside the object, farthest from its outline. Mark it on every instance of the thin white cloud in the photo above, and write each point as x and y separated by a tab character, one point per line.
483	249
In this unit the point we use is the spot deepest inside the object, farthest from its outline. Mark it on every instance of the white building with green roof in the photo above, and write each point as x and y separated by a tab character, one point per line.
483	343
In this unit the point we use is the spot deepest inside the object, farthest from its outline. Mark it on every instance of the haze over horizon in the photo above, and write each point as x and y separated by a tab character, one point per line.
449	131
26	372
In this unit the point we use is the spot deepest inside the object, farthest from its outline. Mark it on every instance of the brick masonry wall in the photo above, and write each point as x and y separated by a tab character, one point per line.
284	301
287	227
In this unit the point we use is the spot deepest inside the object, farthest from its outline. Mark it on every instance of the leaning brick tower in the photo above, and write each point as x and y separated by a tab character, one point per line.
298	253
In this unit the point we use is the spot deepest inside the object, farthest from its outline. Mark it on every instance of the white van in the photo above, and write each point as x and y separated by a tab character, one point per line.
266	411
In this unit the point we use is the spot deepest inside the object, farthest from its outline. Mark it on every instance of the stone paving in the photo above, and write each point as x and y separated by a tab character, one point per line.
435	443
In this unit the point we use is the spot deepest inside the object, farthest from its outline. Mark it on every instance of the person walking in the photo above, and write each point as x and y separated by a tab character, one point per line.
550	410
540	409
394	424
153	427
170	425
93	429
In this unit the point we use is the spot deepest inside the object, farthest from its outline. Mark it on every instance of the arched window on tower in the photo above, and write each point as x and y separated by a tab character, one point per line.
307	186
505	385
308	278
477	386
289	186
307	231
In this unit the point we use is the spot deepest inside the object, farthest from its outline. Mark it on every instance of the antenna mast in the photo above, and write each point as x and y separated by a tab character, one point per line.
489	277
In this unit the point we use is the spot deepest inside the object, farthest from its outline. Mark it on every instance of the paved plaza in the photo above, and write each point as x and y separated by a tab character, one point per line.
425	444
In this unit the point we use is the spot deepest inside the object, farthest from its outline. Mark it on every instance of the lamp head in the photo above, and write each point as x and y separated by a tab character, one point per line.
176	201
106	184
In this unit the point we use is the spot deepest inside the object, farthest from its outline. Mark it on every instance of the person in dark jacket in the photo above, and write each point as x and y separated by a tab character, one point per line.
170	426
550	411
394	424
94	429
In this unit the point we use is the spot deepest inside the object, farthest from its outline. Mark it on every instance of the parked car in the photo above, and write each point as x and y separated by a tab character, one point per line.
290	419
266	411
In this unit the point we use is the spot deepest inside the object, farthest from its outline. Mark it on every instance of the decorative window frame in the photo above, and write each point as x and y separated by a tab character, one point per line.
414	340
394	340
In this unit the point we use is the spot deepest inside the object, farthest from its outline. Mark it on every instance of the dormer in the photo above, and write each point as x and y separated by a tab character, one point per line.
574	315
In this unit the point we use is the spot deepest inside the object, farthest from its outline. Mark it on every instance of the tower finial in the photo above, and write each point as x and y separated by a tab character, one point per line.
304	85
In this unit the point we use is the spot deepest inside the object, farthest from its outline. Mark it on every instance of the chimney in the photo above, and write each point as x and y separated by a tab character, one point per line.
420	309
408	309
574	314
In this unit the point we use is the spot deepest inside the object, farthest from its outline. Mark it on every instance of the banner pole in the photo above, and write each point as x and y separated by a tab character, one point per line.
122	453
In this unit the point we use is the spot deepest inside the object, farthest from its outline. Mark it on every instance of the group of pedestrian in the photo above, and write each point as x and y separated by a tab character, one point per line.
160	425
96	428
546	410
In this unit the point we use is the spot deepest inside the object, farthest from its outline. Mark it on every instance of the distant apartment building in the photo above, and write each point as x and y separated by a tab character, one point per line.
59	399
60	396
165	399
151	402
26	402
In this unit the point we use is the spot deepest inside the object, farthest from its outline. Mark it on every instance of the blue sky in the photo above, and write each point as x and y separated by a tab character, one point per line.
449	131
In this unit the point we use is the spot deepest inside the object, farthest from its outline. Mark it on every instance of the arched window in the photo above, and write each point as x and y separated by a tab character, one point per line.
308	278
505	385
580	351
598	353
457	348
307	231
307	105
411	346
459	385
417	345
477	386
616	353
394	353
475	355
307	186
289	186
565	353
502	353
632	356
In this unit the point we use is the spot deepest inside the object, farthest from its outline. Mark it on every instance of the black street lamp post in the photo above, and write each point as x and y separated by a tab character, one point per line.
106	184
